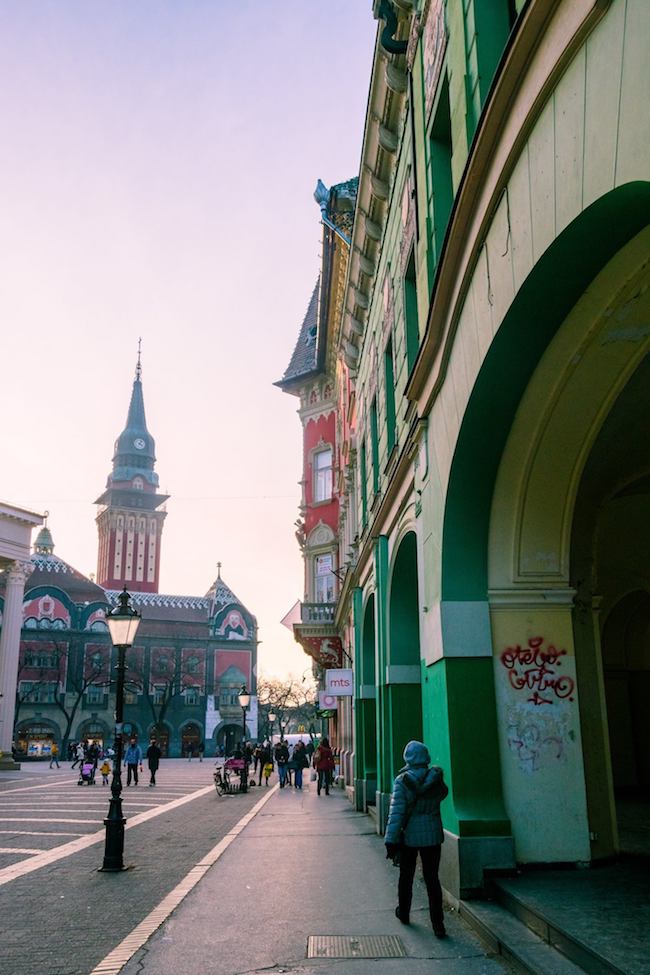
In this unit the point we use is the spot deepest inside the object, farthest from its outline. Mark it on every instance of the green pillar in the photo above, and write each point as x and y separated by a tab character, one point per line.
383	710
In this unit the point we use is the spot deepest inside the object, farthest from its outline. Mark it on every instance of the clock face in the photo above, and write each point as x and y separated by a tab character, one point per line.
138	443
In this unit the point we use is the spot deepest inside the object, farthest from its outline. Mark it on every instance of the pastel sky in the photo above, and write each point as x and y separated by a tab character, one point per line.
157	166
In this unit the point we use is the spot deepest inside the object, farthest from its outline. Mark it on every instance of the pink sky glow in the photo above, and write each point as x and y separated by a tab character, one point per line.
157	165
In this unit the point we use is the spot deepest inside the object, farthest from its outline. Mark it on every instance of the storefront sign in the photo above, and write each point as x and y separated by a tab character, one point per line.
340	683
327	702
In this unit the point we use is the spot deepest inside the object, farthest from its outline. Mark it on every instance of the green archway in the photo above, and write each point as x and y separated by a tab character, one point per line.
463	681
403	699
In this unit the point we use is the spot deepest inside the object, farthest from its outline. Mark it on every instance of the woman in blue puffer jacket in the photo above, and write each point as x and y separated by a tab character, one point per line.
415	809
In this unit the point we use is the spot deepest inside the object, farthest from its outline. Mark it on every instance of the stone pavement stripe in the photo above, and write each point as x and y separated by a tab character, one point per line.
28	788
50	819
8	874
36	832
17	849
118	958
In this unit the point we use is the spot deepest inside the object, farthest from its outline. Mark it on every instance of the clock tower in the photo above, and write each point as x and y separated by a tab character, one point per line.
129	522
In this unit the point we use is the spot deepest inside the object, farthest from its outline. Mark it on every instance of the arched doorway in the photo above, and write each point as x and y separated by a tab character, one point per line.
161	734
402	705
228	736
96	731
191	737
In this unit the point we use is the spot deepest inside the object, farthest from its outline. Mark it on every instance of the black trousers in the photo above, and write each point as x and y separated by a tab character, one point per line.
324	779
430	856
131	770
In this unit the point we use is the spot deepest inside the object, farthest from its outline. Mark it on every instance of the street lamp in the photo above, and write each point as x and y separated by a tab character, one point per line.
244	700
271	723
123	623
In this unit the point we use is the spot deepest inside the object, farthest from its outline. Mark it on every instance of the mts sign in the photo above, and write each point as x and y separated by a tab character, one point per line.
339	683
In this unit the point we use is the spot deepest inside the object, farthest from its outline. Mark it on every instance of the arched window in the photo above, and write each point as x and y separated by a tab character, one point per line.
138	483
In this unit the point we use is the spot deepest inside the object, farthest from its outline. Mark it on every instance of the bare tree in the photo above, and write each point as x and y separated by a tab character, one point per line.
293	700
162	676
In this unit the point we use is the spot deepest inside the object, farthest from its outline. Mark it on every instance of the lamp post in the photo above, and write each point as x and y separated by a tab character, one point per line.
244	701
271	723
123	623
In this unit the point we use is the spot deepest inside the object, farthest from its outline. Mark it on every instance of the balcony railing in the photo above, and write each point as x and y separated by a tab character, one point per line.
317	612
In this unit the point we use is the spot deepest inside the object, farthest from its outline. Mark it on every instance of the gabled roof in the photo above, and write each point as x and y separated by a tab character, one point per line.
304	360
220	595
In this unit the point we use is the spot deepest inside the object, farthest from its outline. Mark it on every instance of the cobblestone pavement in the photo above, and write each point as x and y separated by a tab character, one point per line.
65	917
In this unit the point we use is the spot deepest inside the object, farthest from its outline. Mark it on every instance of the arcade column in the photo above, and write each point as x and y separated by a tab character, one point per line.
12	621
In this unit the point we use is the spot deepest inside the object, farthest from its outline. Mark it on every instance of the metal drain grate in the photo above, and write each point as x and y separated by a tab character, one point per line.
347	946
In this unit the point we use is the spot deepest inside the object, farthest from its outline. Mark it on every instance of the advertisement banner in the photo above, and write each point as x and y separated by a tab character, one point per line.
340	682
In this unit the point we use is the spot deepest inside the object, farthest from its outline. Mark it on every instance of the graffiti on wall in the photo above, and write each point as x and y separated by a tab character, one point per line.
535	670
538	741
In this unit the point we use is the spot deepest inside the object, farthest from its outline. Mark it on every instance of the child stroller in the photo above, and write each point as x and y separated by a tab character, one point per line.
86	773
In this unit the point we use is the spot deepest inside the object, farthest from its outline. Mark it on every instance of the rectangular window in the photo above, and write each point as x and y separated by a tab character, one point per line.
324	578
363	478
323	475
94	694
192	695
130	697
440	149
159	693
374	446
38	692
389	382
411	324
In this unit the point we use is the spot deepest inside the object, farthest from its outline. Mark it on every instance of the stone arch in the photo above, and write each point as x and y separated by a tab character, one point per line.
162	732
96	730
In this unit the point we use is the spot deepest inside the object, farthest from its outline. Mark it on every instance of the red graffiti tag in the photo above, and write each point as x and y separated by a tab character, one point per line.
534	669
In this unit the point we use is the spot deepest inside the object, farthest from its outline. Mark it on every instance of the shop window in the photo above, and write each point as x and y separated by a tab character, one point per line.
323	475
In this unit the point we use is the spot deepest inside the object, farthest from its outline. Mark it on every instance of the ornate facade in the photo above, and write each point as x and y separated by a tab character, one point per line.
193	652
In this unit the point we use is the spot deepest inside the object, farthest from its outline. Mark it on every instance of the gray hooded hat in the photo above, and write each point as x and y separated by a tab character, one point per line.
416	754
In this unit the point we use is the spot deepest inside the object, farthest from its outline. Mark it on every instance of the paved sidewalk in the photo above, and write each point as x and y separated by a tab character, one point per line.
305	865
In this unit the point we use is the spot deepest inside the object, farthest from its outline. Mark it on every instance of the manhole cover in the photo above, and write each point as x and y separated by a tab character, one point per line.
347	946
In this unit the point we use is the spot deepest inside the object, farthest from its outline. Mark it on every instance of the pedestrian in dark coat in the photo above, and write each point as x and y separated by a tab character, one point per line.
153	760
299	761
324	764
263	753
282	760
415	826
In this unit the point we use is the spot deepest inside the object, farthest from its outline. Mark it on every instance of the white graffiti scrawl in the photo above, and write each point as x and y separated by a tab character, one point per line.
537	740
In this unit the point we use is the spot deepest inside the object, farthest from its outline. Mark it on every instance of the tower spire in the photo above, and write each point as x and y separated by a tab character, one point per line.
138	368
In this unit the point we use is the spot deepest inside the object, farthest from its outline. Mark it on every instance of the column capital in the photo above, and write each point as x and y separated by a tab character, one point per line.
19	571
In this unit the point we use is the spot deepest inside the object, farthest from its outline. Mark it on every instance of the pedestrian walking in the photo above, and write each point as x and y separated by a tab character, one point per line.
268	770
54	755
133	759
190	751
80	754
415	826
300	762
281	760
201	750
323	762
264	757
153	760
105	769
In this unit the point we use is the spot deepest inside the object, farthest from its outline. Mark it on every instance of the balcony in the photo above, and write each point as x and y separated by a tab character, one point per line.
311	613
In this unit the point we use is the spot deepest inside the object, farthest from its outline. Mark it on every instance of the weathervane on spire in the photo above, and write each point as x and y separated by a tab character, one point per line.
138	368
218	570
